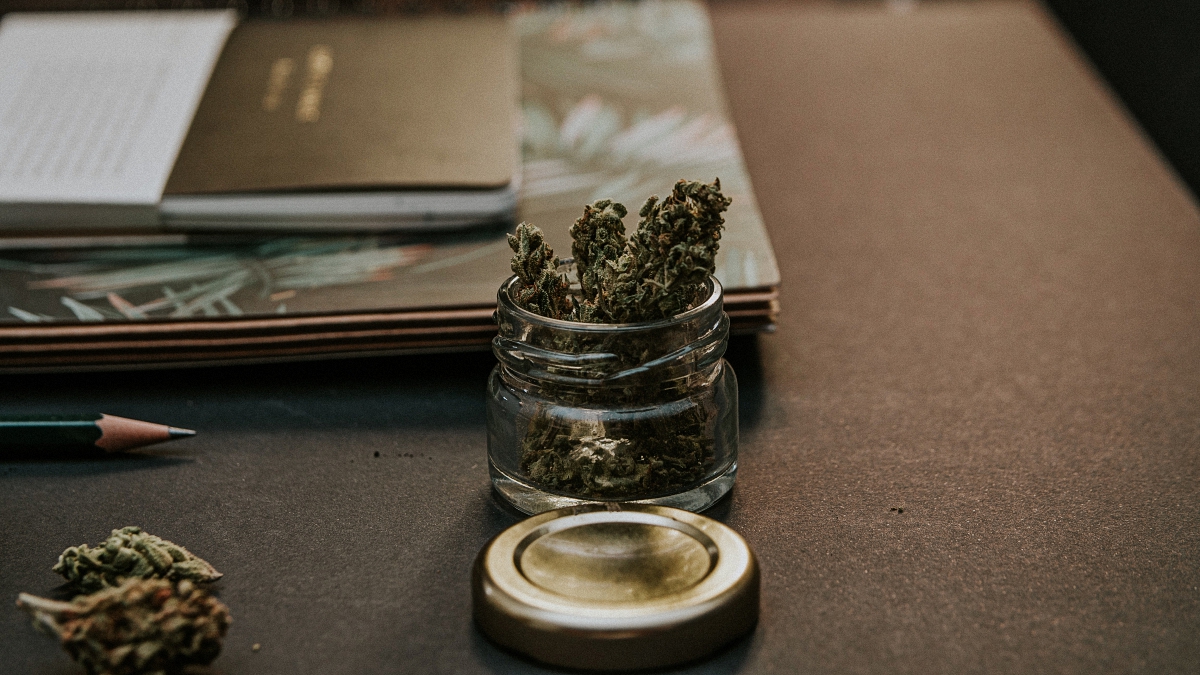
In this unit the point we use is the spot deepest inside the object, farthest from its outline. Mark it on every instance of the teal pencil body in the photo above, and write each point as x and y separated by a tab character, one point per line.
50	430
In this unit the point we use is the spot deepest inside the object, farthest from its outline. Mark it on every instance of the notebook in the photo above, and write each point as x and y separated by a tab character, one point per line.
180	121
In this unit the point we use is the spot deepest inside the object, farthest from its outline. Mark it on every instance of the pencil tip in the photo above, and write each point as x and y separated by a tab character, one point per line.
120	433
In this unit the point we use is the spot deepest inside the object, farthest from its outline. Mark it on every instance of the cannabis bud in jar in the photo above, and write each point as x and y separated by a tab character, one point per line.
611	383
130	552
142	626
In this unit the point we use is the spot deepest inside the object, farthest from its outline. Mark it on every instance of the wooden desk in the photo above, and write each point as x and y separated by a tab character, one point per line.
991	320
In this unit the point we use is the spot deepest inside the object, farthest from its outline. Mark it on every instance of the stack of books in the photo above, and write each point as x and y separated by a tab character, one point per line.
615	101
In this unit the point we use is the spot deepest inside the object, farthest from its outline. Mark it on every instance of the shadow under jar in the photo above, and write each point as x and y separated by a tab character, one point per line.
589	412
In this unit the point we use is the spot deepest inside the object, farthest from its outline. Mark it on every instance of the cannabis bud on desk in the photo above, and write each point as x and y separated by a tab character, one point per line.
130	552
141	626
139	611
611	383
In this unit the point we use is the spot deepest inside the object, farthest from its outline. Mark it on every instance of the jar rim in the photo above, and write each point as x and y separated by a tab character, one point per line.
504	300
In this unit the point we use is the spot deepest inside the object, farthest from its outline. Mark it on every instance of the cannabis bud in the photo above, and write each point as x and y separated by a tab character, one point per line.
543	290
142	626
673	251
598	241
130	553
655	274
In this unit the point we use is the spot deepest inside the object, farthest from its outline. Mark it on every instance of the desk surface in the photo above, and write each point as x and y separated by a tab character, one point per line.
991	320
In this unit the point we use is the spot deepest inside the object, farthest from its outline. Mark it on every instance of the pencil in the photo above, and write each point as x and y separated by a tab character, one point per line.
106	432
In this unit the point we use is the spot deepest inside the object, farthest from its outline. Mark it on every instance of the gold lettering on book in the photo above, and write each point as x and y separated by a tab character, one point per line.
277	81
319	63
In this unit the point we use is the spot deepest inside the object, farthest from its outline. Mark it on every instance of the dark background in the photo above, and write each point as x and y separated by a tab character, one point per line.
1149	51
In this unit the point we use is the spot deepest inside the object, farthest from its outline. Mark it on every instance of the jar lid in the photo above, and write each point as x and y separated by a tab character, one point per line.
616	587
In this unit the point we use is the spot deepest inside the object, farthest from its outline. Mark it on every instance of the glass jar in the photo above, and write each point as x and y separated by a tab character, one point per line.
587	412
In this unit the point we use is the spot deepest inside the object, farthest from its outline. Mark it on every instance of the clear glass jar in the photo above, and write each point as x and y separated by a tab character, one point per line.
586	412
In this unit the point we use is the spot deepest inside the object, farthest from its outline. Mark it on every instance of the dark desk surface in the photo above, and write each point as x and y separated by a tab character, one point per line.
991	319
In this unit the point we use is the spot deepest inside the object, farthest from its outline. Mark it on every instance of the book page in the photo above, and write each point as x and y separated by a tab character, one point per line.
95	106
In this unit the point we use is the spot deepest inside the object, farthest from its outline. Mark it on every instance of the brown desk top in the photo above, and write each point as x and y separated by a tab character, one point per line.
990	319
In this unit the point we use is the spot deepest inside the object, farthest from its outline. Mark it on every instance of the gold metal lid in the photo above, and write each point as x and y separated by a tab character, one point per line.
616	587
